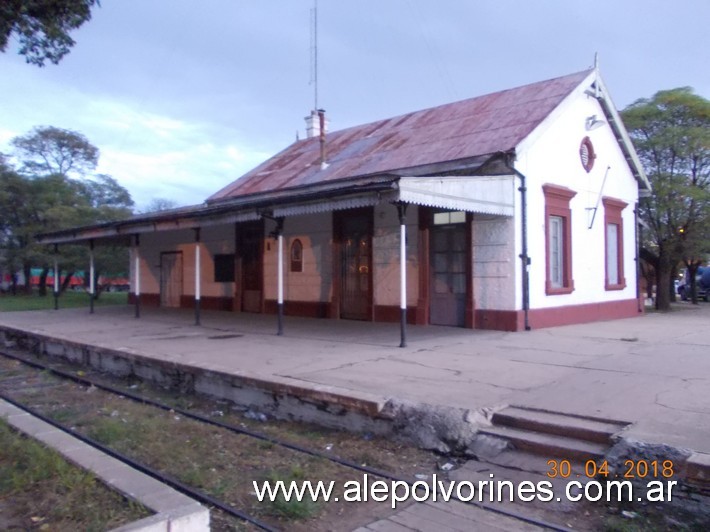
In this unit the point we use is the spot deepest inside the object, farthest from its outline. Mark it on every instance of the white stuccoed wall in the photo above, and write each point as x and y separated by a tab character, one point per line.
151	246
314	282
551	155
215	240
493	262
316	234
385	255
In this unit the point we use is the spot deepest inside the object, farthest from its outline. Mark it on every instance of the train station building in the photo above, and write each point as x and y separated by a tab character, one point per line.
507	211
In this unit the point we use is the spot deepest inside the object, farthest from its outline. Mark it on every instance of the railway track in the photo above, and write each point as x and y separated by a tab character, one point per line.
33	381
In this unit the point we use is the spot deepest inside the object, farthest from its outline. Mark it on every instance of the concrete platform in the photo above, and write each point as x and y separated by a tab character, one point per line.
652	371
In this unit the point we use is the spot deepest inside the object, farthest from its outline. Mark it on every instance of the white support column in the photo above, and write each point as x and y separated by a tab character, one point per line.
280	269
92	288
198	276
197	271
137	270
56	275
137	275
56	279
402	209
403	267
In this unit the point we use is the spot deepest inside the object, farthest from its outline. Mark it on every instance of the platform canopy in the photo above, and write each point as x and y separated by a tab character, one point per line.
488	195
477	194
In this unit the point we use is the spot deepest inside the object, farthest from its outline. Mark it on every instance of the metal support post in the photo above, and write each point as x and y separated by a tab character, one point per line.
197	276
56	277
402	210
91	277
280	269
137	275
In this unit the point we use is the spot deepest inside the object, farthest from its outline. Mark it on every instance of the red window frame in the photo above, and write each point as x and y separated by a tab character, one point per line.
557	201
613	215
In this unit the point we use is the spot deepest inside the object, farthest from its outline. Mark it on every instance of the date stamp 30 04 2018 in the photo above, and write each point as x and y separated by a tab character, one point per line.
631	470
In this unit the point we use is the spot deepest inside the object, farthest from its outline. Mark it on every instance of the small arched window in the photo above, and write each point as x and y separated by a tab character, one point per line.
296	256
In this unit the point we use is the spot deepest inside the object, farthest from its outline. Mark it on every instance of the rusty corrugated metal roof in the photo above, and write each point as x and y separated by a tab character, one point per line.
470	128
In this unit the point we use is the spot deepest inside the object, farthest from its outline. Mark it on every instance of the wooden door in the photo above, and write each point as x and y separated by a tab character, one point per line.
250	241
355	239
170	279
448	275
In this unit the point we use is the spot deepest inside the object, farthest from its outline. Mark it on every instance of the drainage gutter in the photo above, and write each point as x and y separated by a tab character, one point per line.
524	257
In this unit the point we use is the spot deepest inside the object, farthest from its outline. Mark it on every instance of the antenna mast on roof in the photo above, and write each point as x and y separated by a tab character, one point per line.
314	53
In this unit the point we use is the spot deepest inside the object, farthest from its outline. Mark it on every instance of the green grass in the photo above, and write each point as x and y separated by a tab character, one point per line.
39	486
64	414
111	430
10	303
292	509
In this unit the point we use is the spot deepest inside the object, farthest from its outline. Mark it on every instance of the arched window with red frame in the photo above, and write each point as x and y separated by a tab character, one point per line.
296	256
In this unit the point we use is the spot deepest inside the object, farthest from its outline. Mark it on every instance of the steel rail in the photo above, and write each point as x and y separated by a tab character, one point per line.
165	479
246	432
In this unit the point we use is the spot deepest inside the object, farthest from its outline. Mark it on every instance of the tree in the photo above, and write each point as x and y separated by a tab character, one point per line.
158	205
13	195
57	202
42	27
15	211
103	200
51	150
104	191
49	198
671	132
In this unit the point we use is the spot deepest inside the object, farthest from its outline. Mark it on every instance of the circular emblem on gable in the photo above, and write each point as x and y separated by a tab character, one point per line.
586	154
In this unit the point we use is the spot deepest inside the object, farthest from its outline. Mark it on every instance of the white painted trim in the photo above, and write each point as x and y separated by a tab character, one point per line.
524	145
197	271
403	266
335	204
482	194
137	271
280	298
610	109
91	272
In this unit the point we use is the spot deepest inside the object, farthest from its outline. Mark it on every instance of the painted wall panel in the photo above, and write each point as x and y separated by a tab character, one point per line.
493	268
314	282
385	256
552	156
215	240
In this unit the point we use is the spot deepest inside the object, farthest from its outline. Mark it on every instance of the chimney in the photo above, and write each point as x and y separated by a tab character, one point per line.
322	129
313	125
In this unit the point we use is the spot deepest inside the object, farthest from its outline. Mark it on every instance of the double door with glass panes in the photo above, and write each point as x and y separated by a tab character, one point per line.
356	260
448	269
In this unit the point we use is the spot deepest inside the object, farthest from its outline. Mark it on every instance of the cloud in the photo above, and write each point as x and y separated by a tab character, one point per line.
150	154
6	135
157	155
182	101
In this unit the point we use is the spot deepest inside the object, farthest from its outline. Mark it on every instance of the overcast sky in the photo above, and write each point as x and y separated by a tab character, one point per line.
182	97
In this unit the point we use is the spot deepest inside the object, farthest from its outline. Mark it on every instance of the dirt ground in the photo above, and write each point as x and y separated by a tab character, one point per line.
225	464
39	490
215	460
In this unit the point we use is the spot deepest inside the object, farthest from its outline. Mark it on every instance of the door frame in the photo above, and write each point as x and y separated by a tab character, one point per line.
162	279
368	214
426	222
241	230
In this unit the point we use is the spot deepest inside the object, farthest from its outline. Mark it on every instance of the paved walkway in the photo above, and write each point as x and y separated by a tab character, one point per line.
653	371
